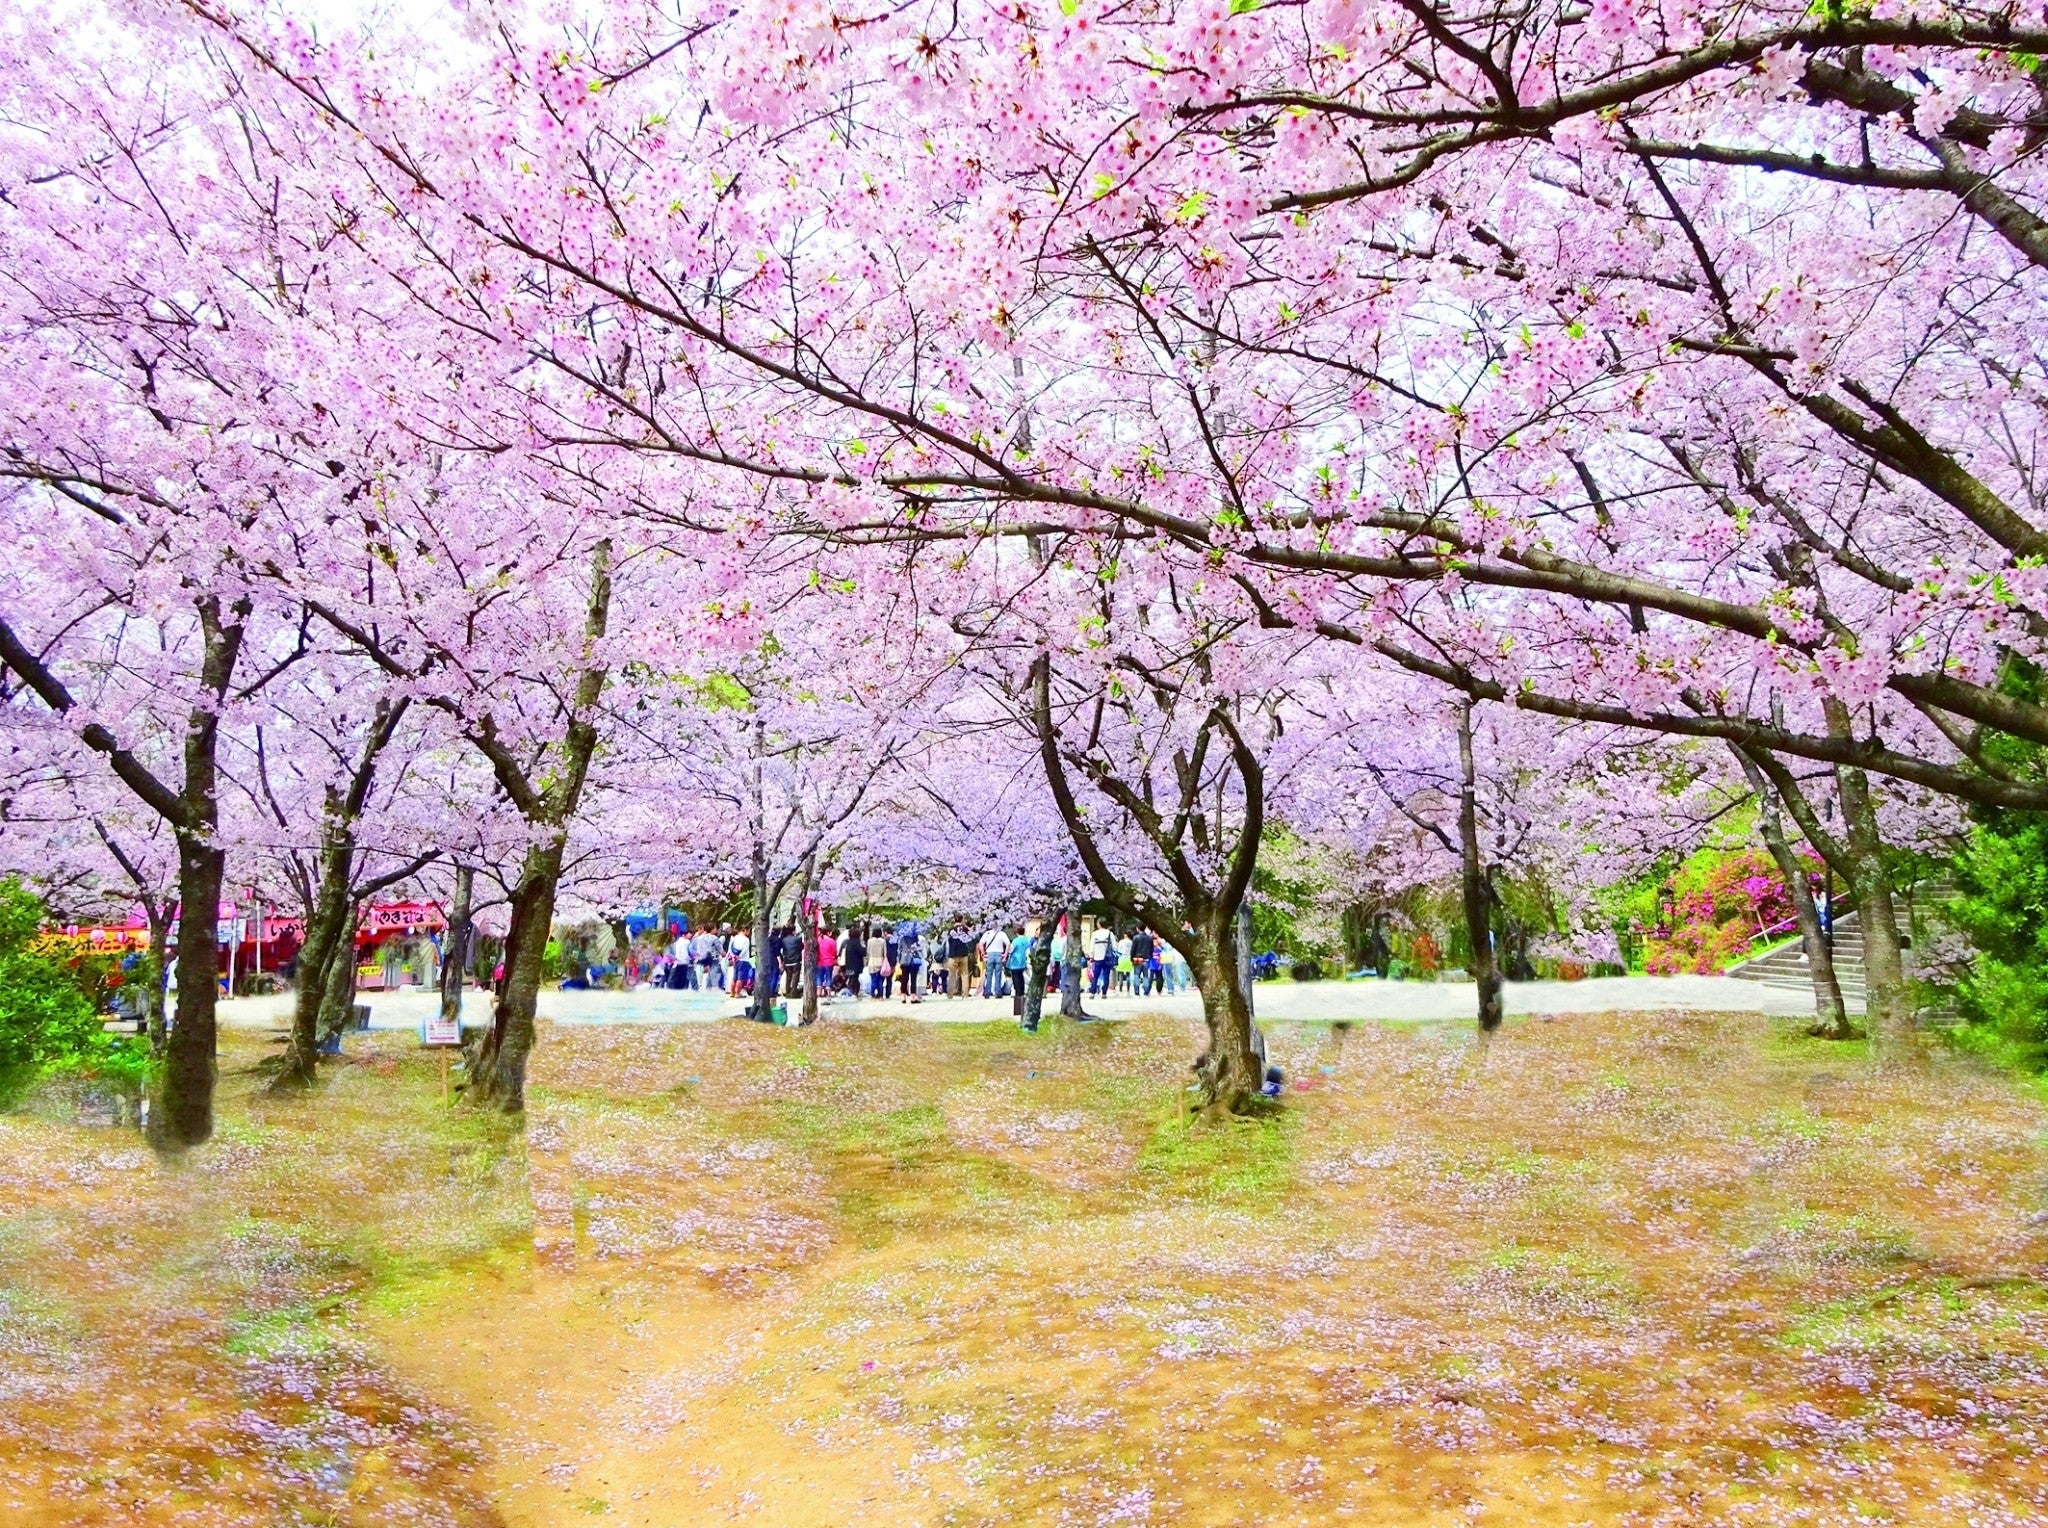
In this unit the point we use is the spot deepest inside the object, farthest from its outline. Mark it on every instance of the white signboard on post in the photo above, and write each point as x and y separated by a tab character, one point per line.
437	1030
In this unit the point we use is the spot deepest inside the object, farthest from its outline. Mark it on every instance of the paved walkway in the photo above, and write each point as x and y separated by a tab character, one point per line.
1310	1002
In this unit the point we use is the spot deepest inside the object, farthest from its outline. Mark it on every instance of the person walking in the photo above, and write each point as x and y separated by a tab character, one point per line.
1123	965
1141	962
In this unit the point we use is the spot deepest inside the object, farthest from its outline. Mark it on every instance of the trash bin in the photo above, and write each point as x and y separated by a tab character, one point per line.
362	1017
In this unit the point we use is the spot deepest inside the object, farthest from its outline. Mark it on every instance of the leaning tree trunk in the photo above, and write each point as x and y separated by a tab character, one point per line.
338	981
159	956
1035	967
182	1112
1889	1005
1477	897
497	1072
1070	966
327	920
457	940
1820	960
1228	1069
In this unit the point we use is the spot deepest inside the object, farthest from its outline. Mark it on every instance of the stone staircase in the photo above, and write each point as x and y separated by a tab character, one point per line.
1785	967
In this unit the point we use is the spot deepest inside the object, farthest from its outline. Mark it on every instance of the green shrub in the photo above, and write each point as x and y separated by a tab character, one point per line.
2003	910
50	1002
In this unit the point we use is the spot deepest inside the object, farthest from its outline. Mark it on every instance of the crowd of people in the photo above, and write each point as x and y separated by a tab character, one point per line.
913	959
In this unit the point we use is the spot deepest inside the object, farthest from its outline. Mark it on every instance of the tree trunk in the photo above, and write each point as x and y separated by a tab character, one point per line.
182	1112
326	921
1889	1003
757	1004
159	957
1477	898
807	912
1035	967
457	942
1070	966
1820	960
497	1074
338	980
1228	1068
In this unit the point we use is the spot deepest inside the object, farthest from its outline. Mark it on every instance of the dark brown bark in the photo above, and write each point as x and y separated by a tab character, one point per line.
1036	965
1228	1068
159	957
338	978
155	911
1832	1013
764	923
326	922
1071	961
327	912
497	1068
807	917
181	1113
1889	1004
456	946
1856	854
764	914
1475	894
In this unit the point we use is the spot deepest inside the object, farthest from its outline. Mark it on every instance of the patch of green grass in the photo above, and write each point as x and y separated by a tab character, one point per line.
1801	1124
1789	1041
1246	1162
297	1331
30	1321
1574	1278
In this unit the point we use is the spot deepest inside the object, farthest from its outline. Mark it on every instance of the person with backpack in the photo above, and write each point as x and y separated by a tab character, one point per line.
995	955
959	952
1100	943
909	959
704	955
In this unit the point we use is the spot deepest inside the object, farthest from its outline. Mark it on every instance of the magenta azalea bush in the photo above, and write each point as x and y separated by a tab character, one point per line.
1722	904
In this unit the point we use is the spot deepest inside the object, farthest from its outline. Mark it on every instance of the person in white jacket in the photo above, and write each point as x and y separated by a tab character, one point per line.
995	949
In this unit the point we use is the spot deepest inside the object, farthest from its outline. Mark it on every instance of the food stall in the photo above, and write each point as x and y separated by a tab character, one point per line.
396	946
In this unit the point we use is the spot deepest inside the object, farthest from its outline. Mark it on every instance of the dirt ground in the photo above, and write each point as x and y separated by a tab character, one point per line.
1627	1268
